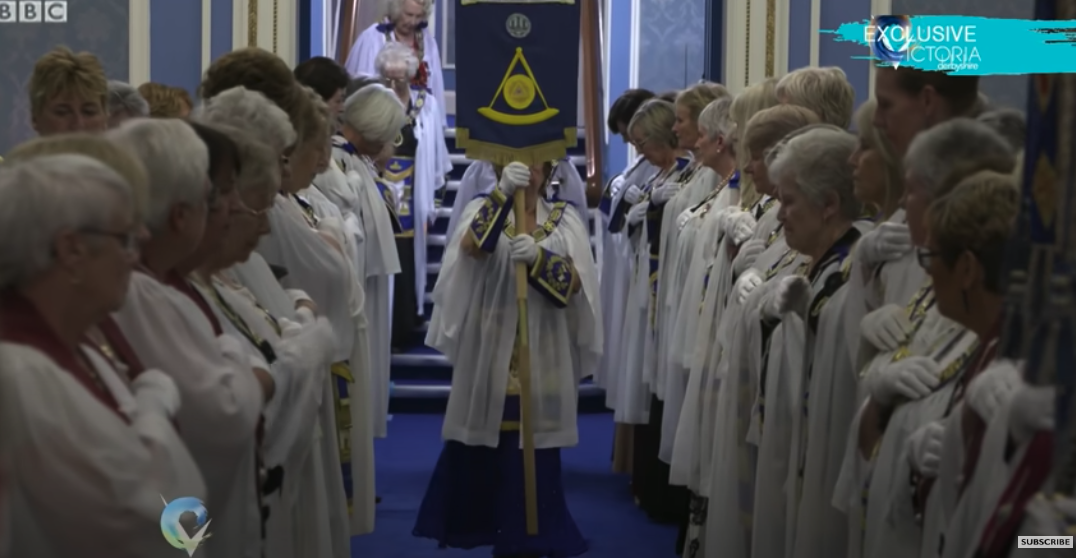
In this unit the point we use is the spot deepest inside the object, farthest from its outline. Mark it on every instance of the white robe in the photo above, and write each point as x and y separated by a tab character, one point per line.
362	60
81	481
367	220
222	402
775	405
700	247
319	506
891	529
474	325
819	439
615	276
729	369
292	433
329	276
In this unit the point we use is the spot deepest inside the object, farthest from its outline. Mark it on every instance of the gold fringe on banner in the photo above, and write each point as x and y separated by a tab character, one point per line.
502	155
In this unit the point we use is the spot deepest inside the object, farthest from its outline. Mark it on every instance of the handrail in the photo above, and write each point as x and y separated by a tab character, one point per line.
590	26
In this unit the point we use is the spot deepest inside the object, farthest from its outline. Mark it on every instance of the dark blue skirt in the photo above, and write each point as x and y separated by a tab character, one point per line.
475	498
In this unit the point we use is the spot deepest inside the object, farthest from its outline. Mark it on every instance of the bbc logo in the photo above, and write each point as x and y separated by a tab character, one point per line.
23	11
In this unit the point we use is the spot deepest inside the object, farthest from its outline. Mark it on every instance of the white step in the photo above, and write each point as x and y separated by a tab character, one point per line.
422	359
441	391
451	133
462	160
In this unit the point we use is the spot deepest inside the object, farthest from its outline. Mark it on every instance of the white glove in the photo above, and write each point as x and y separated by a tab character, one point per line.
992	388
740	226
889	241
684	217
155	392
748	255
723	217
748	281
790	296
514	176
290	329
664	193
633	194
925	447
886	328
637	213
616	185
524	249
1032	410
913	378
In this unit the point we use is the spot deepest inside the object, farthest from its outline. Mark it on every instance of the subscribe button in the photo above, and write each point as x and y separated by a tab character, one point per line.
1044	542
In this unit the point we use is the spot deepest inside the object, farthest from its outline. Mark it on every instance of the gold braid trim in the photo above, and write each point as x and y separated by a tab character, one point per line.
252	23
771	35
502	155
276	14
747	50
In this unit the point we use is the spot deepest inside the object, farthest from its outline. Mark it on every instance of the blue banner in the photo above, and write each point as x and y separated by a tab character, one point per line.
517	79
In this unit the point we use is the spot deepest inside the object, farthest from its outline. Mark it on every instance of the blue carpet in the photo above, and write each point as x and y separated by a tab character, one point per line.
600	501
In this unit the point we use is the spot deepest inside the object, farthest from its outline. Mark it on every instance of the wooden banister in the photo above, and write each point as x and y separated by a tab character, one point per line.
591	32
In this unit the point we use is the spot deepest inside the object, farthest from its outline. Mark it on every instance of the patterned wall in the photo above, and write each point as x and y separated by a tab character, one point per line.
99	26
672	43
1008	91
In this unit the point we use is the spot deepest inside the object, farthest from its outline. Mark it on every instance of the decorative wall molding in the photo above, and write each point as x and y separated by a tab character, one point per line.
878	7
633	70
450	102
207	34
752	42
240	22
816	26
607	61
779	40
138	37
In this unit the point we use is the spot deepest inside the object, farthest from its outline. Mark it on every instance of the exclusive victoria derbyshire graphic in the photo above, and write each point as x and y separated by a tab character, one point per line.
173	530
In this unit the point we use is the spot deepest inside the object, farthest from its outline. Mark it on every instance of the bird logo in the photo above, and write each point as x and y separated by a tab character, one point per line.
173	529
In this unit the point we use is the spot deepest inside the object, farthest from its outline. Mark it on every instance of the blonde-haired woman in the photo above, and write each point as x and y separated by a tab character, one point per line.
750	102
883	271
824	90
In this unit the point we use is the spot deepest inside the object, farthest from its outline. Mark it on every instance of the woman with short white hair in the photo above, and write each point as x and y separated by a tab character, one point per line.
825	90
405	23
171	327
89	454
124	102
416	173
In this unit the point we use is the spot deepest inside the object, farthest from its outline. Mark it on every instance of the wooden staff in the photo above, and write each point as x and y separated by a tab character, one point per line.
526	430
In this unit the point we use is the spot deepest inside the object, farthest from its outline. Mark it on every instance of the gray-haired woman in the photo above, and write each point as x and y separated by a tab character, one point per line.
90	454
807	364
417	173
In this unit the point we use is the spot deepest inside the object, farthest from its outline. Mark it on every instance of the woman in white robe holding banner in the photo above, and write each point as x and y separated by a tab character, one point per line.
475	497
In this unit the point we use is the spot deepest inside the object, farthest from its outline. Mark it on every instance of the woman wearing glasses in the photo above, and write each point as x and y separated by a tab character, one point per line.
90	456
911	385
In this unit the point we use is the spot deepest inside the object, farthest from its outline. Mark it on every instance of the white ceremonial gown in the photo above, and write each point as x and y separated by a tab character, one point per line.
891	529
367	220
222	402
313	490
362	60
615	275
700	246
474	325
730	368
775	405
329	276
827	403
81	480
